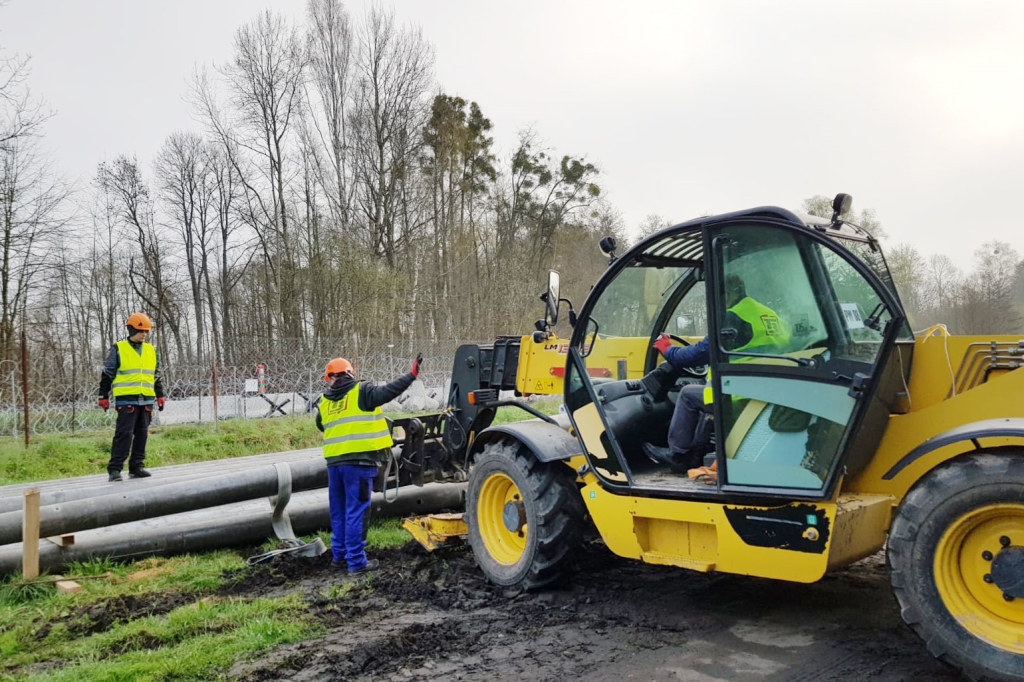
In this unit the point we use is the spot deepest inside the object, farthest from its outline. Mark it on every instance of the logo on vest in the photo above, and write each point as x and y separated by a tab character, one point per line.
772	325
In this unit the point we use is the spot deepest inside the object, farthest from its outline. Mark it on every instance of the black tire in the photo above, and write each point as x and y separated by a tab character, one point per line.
554	517
961	497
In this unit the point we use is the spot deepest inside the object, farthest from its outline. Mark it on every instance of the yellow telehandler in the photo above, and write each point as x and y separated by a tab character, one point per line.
854	435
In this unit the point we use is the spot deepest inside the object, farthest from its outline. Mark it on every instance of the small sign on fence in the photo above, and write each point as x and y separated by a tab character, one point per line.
251	386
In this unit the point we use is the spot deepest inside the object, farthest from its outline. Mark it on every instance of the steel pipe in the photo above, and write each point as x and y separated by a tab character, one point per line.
11	495
236	525
152	501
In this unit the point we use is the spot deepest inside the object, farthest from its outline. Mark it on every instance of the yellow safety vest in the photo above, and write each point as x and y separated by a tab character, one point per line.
136	373
767	328
349	430
767	332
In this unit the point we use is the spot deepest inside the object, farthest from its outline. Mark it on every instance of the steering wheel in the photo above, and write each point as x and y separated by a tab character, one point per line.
698	372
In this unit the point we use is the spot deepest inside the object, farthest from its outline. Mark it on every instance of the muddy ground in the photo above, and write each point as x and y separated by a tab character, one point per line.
434	617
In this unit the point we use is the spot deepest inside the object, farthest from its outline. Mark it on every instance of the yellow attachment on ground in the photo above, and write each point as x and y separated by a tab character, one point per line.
436	530
963	560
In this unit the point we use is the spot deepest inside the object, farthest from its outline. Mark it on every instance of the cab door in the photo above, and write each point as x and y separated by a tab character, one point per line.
799	330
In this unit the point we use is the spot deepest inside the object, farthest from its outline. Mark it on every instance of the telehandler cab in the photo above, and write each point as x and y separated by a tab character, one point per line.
854	436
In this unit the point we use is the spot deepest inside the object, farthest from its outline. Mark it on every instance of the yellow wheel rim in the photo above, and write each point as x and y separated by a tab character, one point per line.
963	562
505	545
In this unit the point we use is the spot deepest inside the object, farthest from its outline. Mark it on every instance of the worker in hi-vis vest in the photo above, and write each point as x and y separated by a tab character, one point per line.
132	373
757	328
356	441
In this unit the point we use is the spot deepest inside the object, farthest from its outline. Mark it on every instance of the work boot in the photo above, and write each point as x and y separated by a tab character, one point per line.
113	476
138	473
679	462
658	455
371	565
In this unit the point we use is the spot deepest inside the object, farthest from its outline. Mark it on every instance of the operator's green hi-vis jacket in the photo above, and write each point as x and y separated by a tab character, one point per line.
767	332
349	430
136	375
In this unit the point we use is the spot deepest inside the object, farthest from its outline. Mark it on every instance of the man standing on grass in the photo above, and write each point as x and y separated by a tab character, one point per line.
356	440
132	371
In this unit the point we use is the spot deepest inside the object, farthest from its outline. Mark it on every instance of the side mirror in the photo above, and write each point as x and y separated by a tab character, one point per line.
551	300
608	246
590	338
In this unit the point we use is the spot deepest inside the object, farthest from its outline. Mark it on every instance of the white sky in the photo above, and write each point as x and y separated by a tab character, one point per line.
914	108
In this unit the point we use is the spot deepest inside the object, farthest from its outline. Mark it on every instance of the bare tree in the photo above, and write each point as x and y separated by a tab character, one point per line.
148	269
182	172
264	80
32	219
330	75
393	74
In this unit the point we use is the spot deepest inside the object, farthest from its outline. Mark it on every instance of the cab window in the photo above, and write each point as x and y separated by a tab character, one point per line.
791	302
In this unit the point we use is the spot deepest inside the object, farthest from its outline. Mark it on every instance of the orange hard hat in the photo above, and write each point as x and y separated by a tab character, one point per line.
337	366
139	321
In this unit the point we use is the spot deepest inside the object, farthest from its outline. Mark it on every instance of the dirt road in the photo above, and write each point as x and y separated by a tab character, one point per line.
433	617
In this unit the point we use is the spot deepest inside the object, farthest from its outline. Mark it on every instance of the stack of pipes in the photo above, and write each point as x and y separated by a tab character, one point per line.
190	508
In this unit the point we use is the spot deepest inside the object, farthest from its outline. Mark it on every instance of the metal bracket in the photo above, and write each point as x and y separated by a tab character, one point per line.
280	520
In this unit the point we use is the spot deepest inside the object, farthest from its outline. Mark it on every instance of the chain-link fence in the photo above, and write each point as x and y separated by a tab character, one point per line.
63	398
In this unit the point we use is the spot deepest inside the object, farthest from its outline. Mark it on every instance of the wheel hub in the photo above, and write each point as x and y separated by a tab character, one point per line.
1008	572
513	515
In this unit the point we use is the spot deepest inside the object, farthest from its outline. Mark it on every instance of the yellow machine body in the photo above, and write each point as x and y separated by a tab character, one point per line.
696	535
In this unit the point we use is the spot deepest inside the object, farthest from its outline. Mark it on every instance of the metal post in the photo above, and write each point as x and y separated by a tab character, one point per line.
213	377
24	379
14	406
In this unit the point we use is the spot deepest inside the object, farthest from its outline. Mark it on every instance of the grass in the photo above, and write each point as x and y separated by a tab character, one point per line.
41	630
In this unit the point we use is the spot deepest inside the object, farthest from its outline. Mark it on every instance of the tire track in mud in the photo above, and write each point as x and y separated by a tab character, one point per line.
434	617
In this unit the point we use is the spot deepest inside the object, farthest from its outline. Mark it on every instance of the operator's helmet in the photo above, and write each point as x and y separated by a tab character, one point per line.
337	366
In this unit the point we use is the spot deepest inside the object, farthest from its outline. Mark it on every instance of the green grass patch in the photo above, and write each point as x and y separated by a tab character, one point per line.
83	453
192	642
184	634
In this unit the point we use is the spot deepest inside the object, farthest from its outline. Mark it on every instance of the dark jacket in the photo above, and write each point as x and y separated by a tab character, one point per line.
696	355
371	396
110	366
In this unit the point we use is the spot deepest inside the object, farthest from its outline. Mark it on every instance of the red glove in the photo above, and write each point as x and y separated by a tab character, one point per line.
663	343
416	364
160	403
105	404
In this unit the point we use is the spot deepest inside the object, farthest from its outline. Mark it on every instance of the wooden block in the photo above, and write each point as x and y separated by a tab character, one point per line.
30	536
65	540
68	586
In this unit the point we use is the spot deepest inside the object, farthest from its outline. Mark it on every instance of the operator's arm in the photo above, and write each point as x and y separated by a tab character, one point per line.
372	396
319	421
109	371
681	357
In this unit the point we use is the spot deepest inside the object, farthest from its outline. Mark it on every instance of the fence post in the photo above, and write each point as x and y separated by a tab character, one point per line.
14	406
24	380
213	379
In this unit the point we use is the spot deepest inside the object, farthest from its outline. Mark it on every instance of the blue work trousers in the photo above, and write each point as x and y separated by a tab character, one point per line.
348	488
683	427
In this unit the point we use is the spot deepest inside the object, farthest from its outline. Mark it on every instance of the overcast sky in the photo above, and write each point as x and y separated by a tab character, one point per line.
688	108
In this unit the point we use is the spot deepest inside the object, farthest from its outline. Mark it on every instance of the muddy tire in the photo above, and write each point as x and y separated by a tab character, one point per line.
955	552
525	517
